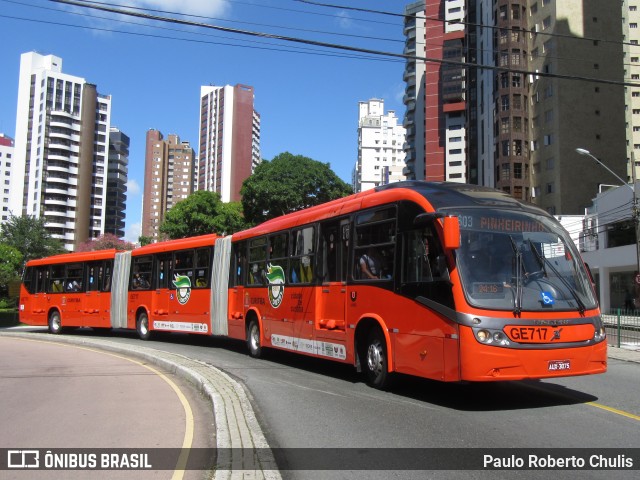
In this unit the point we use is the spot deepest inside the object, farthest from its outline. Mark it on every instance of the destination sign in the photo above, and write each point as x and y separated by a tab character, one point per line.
499	223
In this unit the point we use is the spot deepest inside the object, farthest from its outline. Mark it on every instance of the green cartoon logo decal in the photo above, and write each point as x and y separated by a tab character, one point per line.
275	277
183	288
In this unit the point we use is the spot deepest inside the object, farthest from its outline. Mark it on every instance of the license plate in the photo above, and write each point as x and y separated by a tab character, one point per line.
559	365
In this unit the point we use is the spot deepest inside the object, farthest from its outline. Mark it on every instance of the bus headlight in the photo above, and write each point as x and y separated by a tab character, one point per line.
491	337
600	334
483	335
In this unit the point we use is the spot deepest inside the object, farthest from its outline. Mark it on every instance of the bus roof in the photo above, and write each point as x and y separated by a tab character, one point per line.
451	194
178	244
75	257
433	196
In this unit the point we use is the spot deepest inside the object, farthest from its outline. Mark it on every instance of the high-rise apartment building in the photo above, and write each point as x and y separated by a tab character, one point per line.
512	115
380	147
444	87
59	171
414	97
229	139
168	179
6	164
117	177
574	39
631	37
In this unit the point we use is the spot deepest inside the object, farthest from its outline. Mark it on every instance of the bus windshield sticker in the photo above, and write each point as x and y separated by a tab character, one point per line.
275	276
547	298
183	288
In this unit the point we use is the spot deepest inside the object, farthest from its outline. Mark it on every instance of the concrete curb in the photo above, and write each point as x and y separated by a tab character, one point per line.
627	354
239	437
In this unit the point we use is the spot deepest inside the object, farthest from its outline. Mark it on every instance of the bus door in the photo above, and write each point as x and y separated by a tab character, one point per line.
331	303
73	305
237	279
96	303
301	291
34	307
160	310
189	298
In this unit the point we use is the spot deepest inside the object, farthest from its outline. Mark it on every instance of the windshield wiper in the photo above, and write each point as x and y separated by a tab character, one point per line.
517	299
543	261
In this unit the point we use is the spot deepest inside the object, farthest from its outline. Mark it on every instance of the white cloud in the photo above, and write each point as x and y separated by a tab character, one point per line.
195	7
133	188
344	20
132	233
399	91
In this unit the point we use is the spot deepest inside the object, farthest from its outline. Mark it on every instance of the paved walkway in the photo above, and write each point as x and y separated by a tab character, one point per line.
239	437
241	445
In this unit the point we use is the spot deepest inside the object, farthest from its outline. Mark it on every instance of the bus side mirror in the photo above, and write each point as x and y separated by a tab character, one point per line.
451	233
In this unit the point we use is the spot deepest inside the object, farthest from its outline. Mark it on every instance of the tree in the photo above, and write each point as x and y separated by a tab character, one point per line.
10	265
144	240
289	183
30	237
105	242
200	213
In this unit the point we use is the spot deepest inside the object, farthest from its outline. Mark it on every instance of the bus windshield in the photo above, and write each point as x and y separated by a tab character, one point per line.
519	261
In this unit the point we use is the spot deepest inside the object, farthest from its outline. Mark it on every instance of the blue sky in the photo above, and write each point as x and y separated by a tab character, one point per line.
307	96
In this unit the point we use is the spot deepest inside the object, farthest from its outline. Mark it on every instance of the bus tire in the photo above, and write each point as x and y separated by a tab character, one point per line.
142	326
376	360
55	323
253	339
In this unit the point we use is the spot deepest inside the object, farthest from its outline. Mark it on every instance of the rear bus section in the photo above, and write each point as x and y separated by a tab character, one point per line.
69	290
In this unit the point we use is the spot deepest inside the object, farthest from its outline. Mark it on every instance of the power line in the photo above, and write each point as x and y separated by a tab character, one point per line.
339	46
460	22
467	50
300	50
366	37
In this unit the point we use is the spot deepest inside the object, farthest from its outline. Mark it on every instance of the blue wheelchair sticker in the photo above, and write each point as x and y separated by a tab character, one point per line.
547	298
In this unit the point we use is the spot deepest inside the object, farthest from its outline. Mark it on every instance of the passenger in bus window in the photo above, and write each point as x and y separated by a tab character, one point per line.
306	273
140	282
370	264
73	286
255	276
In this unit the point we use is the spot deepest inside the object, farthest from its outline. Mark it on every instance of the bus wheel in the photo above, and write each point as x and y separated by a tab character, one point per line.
253	339
376	364
142	326
55	323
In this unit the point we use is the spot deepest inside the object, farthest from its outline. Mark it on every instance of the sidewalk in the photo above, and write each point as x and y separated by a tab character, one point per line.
239	437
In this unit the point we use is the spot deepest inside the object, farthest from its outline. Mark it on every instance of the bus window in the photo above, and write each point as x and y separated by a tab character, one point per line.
257	260
375	244
203	264
302	255
163	269
74	278
95	272
56	281
335	247
107	273
279	252
238	270
423	260
29	279
141	273
183	266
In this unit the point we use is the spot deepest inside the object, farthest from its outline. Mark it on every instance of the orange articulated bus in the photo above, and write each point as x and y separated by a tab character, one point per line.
438	280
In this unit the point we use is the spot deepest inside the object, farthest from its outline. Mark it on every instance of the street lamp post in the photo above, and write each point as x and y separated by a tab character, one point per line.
634	205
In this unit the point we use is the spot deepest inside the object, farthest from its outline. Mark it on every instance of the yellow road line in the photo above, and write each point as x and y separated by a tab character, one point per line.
614	410
178	473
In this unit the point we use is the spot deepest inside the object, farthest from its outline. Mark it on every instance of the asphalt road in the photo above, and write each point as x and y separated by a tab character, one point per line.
303	402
